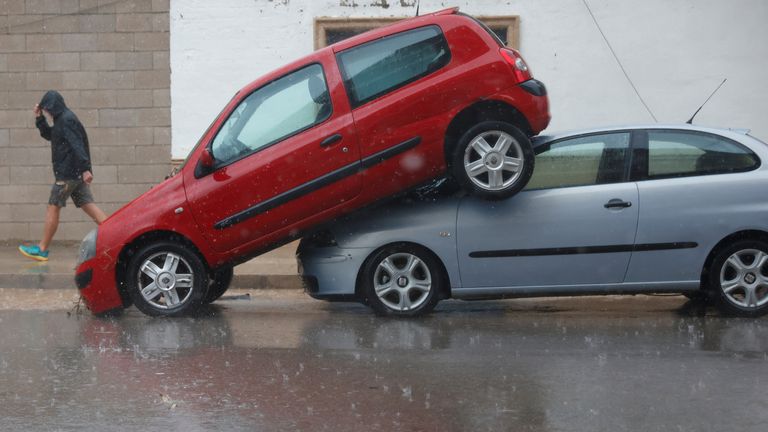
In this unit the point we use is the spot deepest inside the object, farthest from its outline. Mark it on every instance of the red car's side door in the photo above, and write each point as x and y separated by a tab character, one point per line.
401	89
287	151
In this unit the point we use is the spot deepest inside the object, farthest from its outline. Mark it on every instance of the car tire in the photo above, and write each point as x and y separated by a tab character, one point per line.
166	279
483	160
699	295
220	281
738	278
402	280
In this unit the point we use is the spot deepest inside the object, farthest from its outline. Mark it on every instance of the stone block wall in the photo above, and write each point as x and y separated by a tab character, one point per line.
110	61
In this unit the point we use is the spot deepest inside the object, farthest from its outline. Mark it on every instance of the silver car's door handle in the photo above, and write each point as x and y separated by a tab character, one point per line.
617	203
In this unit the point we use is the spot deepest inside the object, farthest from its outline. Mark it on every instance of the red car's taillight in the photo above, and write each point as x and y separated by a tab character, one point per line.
519	67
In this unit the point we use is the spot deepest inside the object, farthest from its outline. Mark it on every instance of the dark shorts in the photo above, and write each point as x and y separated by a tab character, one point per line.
77	189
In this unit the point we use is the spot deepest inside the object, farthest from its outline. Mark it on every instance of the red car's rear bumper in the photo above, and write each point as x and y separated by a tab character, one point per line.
536	108
95	279
530	98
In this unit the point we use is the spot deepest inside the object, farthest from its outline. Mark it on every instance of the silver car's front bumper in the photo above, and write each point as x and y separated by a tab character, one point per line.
330	273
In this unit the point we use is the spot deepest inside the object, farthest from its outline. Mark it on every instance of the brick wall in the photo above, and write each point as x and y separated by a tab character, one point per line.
110	61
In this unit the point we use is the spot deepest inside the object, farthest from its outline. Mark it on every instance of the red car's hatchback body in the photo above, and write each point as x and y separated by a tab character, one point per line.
348	125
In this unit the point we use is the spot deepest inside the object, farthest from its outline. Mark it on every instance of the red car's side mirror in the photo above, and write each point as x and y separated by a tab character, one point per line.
206	158
205	164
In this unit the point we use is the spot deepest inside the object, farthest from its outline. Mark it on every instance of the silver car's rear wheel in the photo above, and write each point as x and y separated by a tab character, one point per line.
402	279
744	278
739	278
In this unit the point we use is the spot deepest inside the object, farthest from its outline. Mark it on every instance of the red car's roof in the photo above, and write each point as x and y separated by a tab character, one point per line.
362	38
389	29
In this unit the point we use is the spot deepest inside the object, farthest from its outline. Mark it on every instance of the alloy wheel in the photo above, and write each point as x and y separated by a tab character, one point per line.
493	166
744	278
402	282
165	280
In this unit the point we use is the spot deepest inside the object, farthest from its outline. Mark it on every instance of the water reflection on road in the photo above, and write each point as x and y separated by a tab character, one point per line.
653	364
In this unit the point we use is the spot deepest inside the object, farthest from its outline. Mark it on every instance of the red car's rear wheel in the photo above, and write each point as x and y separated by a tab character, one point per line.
493	160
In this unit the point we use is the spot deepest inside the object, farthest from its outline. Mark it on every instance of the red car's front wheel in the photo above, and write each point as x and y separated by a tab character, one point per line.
166	278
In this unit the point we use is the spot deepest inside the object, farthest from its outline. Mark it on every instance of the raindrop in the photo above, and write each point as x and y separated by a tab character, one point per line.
407	393
602	359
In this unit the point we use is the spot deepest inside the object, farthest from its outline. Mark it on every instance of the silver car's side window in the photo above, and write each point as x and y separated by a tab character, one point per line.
682	154
588	160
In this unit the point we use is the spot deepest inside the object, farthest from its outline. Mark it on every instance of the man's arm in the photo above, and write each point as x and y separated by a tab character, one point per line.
41	123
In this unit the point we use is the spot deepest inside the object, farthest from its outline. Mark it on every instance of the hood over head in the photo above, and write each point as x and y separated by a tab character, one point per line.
53	102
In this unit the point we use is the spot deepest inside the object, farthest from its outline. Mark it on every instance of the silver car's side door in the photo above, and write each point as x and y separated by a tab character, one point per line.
576	226
696	189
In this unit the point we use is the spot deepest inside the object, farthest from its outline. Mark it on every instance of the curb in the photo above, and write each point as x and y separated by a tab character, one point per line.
267	282
66	281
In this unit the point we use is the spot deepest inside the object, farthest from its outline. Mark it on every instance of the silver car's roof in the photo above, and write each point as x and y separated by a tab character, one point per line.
729	133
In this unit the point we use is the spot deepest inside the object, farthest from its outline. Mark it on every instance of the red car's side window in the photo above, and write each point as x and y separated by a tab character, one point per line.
379	67
278	110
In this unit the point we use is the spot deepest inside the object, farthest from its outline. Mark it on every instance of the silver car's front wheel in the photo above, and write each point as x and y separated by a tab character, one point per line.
166	278
740	278
402	279
402	282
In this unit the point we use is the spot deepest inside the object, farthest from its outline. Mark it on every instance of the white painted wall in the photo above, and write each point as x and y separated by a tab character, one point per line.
675	51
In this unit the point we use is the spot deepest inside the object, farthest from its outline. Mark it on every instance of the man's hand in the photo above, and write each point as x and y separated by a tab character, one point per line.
87	177
38	112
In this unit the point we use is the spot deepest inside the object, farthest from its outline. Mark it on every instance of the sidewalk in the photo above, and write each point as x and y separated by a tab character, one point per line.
276	269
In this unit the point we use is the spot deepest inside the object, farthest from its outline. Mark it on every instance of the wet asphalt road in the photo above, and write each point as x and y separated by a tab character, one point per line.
285	362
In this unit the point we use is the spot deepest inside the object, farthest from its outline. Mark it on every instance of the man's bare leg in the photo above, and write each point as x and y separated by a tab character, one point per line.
94	212
51	224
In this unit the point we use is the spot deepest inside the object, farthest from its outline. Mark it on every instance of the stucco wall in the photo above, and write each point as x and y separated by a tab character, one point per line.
676	52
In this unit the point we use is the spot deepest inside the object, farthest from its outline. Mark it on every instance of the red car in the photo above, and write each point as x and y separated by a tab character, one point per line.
350	124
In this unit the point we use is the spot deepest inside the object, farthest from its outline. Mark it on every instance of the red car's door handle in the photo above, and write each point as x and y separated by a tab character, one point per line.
330	140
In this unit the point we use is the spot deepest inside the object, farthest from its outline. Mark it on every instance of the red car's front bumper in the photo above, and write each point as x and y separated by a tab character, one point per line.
96	281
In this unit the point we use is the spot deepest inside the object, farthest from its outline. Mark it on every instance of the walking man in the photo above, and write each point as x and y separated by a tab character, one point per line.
71	167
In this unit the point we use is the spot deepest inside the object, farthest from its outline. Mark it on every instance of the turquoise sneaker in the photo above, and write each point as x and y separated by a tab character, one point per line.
33	252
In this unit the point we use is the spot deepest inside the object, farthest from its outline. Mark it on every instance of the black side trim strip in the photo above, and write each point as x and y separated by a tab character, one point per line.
316	184
664	246
390	152
292	194
583	250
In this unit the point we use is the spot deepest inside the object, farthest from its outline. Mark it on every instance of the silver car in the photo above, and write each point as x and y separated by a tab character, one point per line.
642	209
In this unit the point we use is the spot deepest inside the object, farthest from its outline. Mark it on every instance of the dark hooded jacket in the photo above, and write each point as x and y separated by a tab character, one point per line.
69	143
